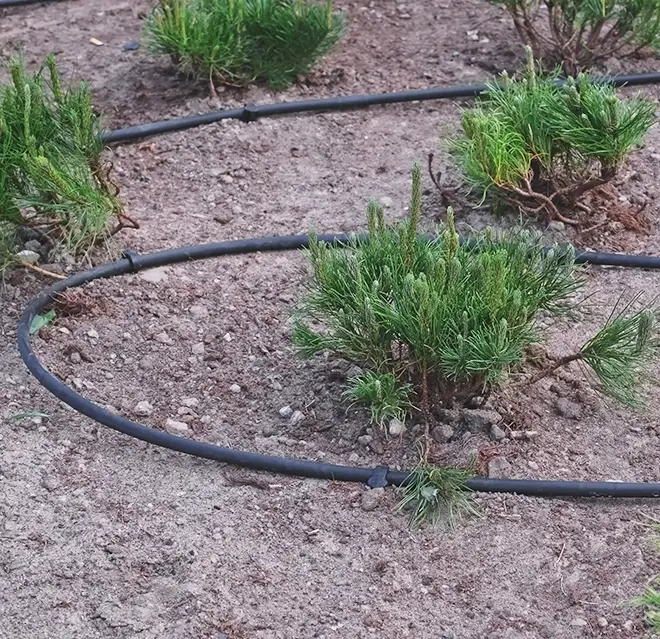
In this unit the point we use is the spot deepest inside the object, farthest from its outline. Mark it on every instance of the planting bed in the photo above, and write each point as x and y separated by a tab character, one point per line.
103	536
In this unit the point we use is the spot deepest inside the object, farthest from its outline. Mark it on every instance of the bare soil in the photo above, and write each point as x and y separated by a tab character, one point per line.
104	536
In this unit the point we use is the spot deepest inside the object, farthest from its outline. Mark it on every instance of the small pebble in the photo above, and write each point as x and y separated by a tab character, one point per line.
533	465
175	428
496	432
50	484
286	411
365	440
75	357
567	408
198	349
92	333
235	388
190	402
297	418
396	427
371	499
143	408
131	45
442	433
602	622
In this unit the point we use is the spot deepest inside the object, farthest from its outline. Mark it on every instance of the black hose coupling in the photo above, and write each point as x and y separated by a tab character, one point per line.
250	113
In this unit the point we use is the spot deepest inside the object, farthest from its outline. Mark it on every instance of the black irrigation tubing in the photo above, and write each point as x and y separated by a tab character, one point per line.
374	477
17	3
252	112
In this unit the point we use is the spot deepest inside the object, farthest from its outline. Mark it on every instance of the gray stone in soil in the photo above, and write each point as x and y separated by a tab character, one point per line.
448	416
567	408
286	411
496	432
143	409
297	418
372	498
235	388
353	371
75	357
479	420
176	428
499	468
365	440
442	433
154	275
33	245
50	484
29	257
396	427
269	430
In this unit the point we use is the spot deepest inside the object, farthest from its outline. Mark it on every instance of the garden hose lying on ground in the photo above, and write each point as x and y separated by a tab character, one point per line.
252	112
16	3
374	477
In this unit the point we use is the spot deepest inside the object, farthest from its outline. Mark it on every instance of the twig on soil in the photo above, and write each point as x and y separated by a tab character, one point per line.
42	271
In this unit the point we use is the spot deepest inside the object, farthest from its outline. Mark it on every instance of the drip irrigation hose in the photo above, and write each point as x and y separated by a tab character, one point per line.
17	3
252	112
374	477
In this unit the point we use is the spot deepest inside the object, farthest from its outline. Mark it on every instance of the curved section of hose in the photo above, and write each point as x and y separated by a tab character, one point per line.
379	476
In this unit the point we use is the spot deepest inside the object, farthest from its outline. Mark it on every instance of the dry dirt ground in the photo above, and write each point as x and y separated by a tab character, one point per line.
103	536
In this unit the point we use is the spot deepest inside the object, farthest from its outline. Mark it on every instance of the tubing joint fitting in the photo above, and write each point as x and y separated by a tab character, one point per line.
378	478
250	113
130	256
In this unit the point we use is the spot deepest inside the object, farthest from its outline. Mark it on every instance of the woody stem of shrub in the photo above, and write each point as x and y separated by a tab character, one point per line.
562	361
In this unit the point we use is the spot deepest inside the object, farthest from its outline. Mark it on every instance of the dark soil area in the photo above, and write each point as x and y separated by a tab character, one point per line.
103	536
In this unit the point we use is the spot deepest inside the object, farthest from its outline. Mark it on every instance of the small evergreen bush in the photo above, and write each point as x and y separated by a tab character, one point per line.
238	42
542	147
52	177
582	33
436	323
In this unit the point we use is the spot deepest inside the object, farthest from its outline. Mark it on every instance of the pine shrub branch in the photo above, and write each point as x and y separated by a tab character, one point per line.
52	176
582	33
238	42
541	147
435	323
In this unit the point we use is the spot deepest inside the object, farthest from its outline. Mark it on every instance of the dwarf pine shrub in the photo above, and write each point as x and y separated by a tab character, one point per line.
579	34
435	323
541	147
238	42
52	177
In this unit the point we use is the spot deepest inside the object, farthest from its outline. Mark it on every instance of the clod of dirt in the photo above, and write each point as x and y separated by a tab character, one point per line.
442	433
499	468
365	440
480	421
567	408
176	428
372	498
297	418
496	432
154	275
143	409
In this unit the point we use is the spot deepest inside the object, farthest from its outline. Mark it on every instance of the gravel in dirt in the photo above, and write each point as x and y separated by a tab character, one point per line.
107	537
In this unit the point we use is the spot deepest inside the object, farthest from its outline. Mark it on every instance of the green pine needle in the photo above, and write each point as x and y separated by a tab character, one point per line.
388	398
437	494
51	172
621	352
243	41
540	146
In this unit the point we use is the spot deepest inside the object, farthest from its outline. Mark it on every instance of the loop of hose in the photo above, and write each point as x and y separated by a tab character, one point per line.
252	112
304	468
